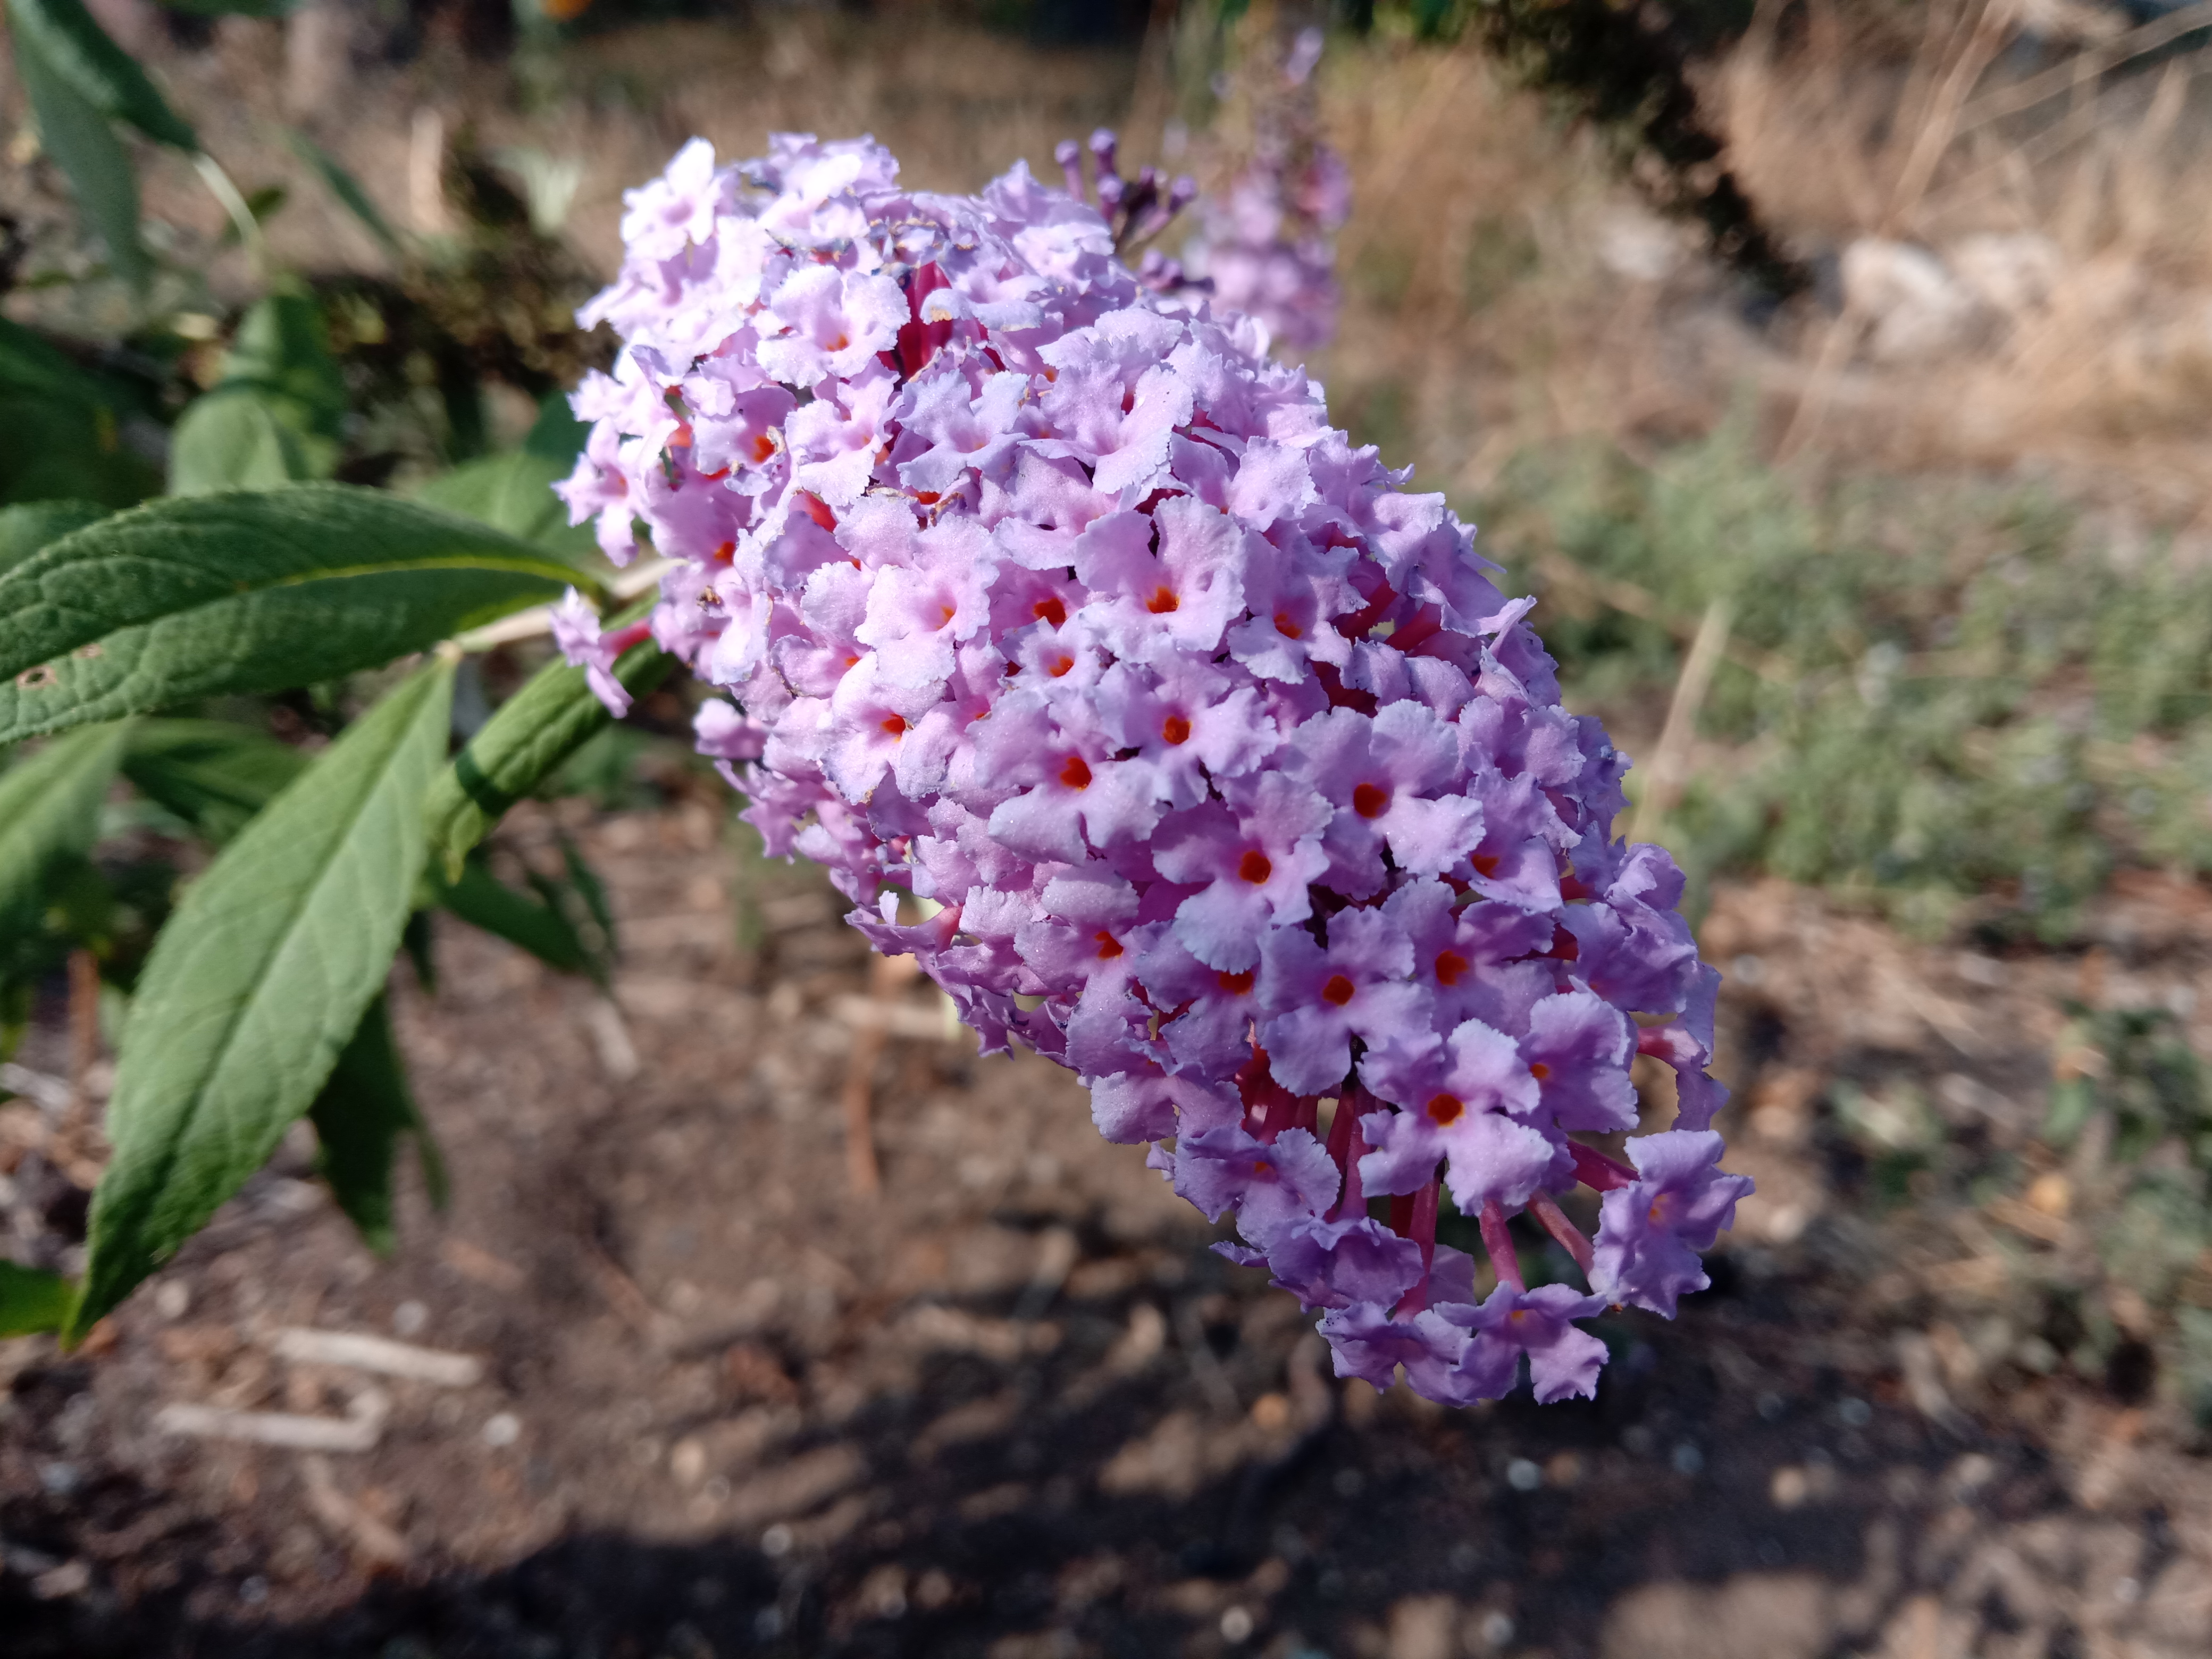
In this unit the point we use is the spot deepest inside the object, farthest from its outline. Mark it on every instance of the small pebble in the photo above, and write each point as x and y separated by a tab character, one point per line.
502	1429
60	1479
409	1318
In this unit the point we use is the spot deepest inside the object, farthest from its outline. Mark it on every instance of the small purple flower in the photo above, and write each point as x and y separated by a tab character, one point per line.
1467	1099
1377	772
822	321
1173	578
1563	1361
1146	1104
1071	788
919	614
1206	1013
1272	1185
576	632
1370	1345
678	209
1188	721
1650	1232
1578	1048
1255	861
965	429
1473	959
1335	1264
1355	986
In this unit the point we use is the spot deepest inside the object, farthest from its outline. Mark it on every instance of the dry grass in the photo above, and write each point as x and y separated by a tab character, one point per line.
2098	364
1504	287
1481	314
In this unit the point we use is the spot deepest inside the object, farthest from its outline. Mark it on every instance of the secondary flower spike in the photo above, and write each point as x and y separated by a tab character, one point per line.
1173	735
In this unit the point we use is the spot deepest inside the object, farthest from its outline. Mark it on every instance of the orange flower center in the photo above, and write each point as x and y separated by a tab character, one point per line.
1176	729
1164	600
1445	1109
1237	985
1051	609
1286	628
1254	868
895	724
1370	800
1449	966
1339	990
1540	1071
1108	946
1075	775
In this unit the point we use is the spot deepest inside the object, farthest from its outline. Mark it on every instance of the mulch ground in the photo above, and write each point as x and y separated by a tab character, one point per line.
1011	1405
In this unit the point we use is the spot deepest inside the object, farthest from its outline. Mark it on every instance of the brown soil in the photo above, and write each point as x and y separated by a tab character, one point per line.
1013	1405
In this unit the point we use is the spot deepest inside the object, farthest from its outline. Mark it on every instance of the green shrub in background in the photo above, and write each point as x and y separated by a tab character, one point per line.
232	679
2104	1237
1941	697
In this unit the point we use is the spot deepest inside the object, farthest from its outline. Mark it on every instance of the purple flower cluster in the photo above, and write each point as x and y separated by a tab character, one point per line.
1268	244
1135	209
1175	738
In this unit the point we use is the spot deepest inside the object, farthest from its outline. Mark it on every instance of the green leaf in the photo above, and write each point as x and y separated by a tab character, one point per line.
364	1109
33	367
76	134
513	492
32	1301
64	423
275	417
593	892
62	33
557	436
260	978
347	188
534	731
244	593
50	811
541	926
27	528
283	348
239	437
419	941
212	775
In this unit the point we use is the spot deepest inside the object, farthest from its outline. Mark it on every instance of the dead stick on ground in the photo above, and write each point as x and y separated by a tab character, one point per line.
1837	341
84	1035
886	975
376	1544
1671	758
